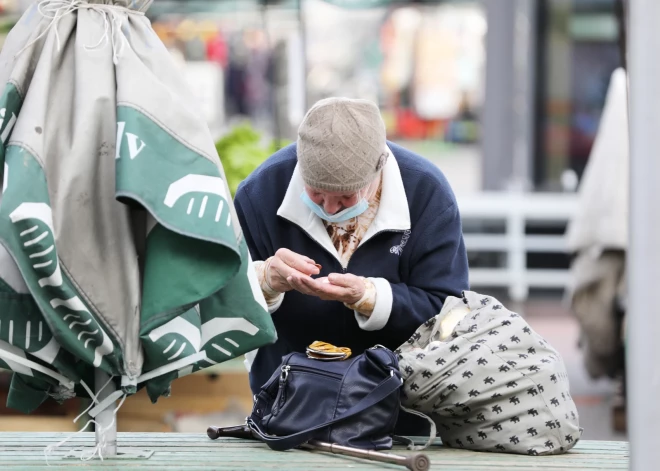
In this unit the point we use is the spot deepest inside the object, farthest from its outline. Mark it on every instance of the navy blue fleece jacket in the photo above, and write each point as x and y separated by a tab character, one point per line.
423	265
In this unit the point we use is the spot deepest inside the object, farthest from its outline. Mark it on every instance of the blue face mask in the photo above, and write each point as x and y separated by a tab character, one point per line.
341	216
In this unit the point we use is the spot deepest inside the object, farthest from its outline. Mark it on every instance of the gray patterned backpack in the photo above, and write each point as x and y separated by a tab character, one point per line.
488	381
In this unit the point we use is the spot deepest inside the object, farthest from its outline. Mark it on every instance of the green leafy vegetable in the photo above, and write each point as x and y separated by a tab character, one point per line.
241	151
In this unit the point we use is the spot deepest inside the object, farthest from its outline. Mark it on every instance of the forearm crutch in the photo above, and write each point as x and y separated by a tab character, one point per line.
414	462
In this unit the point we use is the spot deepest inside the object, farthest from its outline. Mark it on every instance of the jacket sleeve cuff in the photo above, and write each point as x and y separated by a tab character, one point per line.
248	359
272	297
274	304
382	308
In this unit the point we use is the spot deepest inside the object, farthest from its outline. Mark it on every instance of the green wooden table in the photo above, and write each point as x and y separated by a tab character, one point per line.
25	451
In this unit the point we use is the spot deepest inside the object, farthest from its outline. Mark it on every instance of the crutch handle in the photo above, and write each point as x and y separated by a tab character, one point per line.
237	431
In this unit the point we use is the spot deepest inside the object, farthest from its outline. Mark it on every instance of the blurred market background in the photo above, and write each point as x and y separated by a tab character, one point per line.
504	96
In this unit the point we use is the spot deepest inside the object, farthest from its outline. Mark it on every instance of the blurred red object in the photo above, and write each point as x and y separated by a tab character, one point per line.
436	129
216	50
409	126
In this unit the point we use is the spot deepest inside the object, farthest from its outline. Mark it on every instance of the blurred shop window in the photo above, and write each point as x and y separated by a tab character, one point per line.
423	62
233	65
579	51
433	71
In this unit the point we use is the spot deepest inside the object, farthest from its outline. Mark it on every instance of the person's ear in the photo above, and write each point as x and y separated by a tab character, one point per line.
382	160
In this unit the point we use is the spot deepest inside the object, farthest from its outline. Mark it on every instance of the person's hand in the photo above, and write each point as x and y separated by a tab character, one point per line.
285	264
346	288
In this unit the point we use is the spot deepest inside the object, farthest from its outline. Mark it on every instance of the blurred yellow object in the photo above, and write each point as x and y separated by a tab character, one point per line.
325	351
186	30
164	32
389	118
207	30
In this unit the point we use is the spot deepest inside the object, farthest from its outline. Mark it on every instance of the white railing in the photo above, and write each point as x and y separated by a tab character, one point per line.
516	210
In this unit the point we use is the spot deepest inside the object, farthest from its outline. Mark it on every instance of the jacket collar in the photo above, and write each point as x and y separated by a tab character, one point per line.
393	213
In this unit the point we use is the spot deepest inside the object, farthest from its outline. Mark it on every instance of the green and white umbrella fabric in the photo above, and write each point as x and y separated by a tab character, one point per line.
96	129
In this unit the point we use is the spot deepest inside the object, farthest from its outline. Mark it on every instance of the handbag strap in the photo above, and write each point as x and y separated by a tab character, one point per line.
287	442
410	443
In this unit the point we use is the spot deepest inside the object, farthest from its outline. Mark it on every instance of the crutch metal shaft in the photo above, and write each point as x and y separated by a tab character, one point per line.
415	462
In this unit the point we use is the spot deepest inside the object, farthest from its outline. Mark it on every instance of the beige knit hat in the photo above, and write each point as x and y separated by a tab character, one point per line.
341	144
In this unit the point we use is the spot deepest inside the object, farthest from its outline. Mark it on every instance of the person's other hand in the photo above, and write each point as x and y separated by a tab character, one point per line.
345	288
285	264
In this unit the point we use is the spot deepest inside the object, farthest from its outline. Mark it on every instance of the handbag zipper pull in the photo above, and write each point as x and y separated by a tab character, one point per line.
285	373
281	395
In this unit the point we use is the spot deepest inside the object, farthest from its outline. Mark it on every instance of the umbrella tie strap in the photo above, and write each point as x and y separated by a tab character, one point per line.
20	360
96	407
50	449
103	405
94	397
100	446
112	19
177	365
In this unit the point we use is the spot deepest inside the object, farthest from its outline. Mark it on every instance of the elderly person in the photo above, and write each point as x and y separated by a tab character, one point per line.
356	241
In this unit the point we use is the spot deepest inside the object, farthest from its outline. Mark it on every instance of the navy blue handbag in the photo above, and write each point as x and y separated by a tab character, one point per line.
352	403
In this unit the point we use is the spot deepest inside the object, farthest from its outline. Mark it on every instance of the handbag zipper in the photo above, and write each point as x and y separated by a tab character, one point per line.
286	369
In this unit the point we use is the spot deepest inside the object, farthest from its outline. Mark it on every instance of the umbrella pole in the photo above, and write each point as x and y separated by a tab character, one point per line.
106	423
106	420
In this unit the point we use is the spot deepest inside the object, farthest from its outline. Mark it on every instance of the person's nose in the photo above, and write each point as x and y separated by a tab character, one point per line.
332	206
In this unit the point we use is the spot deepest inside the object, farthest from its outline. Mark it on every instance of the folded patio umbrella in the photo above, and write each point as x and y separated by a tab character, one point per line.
119	245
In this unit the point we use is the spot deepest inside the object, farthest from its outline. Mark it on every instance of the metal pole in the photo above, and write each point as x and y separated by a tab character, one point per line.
303	37
106	428
643	313
498	118
524	41
274	83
